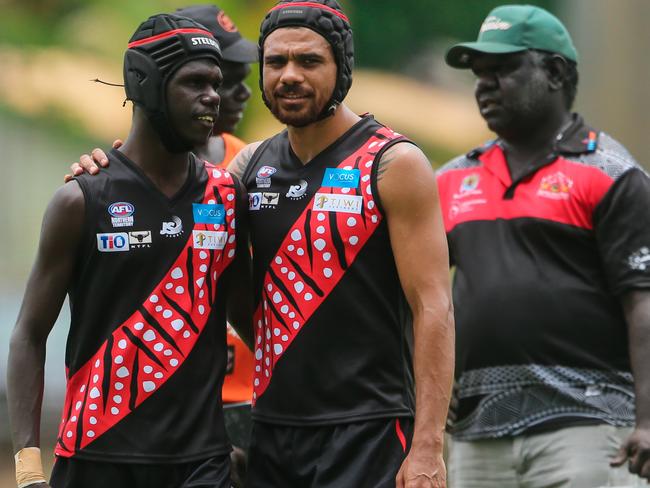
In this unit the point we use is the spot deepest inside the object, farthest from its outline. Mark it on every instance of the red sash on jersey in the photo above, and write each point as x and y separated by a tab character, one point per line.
151	345
313	257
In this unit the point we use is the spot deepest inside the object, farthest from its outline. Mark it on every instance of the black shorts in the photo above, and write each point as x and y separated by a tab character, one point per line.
356	455
79	473
237	417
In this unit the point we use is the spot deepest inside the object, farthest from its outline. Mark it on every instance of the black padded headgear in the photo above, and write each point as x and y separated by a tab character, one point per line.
325	17
159	46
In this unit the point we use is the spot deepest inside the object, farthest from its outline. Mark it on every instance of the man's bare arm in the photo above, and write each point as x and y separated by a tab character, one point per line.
46	290
636	449
408	192
91	163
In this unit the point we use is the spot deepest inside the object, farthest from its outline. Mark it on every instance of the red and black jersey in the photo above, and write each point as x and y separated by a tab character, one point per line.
146	351
541	264
333	328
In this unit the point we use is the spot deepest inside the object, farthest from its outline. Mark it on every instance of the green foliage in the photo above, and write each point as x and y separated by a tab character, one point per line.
388	32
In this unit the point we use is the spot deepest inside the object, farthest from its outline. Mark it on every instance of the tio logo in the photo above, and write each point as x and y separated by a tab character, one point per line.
113	242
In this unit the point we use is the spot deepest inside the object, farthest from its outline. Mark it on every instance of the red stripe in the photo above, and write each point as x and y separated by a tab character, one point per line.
90	410
573	206
313	5
400	434
165	35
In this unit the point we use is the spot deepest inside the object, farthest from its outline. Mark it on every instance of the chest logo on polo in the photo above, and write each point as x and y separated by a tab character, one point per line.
173	228
263	177
121	214
298	191
640	260
556	186
330	202
469	187
341	178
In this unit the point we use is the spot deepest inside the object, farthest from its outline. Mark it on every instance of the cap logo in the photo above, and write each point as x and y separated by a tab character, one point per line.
297	12
226	22
494	23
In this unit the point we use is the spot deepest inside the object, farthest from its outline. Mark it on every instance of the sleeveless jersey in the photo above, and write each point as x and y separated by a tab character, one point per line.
333	329
146	349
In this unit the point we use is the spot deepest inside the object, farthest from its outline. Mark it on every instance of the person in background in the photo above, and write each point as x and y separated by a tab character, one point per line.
549	231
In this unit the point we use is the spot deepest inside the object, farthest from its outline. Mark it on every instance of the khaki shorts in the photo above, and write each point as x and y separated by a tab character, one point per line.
573	457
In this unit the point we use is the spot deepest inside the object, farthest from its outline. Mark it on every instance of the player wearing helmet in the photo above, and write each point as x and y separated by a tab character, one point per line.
146	252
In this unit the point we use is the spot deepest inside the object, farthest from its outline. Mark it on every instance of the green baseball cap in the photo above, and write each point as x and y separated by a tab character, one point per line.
515	28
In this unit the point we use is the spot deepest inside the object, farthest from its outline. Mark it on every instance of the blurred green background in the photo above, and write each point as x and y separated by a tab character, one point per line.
50	112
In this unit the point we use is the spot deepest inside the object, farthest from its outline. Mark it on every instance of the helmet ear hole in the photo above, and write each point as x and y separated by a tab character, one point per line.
140	76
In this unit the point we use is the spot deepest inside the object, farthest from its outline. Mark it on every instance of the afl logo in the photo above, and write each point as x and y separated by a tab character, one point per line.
121	209
266	172
226	22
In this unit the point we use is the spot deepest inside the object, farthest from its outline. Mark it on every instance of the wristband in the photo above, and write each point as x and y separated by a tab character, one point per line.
29	469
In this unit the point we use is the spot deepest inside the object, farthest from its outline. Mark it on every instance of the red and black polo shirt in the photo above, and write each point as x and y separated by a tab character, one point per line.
541	264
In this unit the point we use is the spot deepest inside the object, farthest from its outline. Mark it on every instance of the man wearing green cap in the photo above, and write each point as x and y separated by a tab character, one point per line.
549	231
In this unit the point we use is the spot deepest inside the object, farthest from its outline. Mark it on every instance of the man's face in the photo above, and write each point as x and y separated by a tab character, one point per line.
299	74
511	91
193	101
234	94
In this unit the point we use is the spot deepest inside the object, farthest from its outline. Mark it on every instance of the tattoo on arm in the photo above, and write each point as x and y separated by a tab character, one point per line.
388	157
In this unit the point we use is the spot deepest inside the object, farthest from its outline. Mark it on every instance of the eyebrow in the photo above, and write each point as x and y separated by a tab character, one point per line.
299	57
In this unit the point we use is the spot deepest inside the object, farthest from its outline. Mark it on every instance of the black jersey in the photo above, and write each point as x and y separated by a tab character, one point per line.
333	328
541	264
147	345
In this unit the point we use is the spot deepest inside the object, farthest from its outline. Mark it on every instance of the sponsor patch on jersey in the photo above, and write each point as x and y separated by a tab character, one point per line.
640	260
173	228
209	239
341	178
270	199
297	191
121	214
254	201
140	238
263	177
113	242
556	186
327	202
209	213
